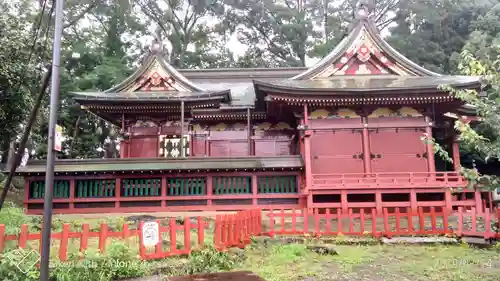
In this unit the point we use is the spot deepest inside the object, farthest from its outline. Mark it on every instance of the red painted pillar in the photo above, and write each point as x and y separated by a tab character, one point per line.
307	157
366	147
124	149
430	148
478	201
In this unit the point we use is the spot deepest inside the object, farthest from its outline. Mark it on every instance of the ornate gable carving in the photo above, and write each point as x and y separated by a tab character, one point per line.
157	79
363	57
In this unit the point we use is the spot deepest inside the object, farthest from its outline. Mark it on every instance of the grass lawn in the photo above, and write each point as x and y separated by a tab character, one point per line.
374	263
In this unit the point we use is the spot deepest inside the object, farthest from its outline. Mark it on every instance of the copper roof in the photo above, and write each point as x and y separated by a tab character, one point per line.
162	164
367	84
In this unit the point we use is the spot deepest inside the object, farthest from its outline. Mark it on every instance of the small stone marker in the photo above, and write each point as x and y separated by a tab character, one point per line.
150	234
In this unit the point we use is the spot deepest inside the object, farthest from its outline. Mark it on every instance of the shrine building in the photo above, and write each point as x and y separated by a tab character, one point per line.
345	133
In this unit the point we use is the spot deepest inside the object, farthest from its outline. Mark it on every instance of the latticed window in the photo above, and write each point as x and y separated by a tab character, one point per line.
170	146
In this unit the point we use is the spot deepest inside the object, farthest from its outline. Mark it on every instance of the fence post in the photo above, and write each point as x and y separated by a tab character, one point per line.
103	234
421	220
63	247
201	231
271	223
487	225
362	221
187	234
218	231
350	220
2	237
125	231
460	221
387	230
374	223
433	220
23	236
294	221
173	236
84	238
142	249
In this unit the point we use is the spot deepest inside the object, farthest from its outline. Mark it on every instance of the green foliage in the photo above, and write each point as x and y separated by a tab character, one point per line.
118	263
208	259
18	265
13	217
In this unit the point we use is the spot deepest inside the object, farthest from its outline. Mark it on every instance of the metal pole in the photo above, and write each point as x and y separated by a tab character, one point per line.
249	131
49	176
183	153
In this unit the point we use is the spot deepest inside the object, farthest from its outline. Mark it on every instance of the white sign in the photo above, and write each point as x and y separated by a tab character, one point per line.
150	234
59	138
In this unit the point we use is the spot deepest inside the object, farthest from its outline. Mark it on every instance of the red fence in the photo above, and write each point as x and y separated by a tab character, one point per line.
402	221
236	230
104	235
170	231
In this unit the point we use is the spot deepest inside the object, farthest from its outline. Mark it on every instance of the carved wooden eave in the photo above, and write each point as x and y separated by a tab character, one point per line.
363	52
155	87
226	114
373	100
157	74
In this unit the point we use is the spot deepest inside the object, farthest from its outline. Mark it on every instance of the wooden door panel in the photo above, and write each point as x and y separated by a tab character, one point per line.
399	163
272	147
228	148
336	152
199	145
144	147
397	150
396	141
337	165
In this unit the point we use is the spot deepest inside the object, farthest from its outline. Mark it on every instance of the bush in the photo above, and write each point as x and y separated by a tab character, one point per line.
19	265
118	263
208	259
13	217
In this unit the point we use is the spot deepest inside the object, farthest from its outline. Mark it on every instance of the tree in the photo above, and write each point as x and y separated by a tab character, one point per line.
484	140
434	37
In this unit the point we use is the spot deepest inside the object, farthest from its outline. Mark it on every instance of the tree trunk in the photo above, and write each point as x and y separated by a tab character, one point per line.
22	144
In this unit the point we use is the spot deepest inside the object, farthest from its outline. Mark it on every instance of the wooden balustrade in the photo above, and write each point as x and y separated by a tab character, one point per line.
143	193
387	180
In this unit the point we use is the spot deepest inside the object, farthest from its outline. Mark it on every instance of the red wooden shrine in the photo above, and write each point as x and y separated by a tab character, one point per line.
345	133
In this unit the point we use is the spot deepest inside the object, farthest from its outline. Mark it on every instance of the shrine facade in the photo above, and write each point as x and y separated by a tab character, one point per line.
346	133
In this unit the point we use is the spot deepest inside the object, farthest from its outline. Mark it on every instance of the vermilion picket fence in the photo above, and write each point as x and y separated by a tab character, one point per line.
399	222
185	246
236	230
173	248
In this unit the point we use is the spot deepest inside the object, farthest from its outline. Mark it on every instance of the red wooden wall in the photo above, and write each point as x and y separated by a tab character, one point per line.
398	150
336	151
144	147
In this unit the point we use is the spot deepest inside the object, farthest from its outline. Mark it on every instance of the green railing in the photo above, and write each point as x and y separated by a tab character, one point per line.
186	186
232	185
277	184
141	187
37	189
95	188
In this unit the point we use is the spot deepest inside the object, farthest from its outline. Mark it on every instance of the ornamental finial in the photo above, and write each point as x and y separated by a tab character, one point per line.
364	8
157	45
